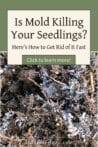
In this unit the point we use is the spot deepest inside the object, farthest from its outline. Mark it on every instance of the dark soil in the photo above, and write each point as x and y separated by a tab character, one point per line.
48	105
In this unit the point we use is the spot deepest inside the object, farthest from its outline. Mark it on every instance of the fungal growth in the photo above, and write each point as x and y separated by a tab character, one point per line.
48	105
